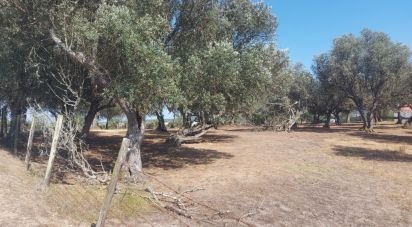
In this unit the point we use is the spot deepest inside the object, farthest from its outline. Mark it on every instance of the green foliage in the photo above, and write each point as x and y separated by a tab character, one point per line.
371	70
251	23
209	56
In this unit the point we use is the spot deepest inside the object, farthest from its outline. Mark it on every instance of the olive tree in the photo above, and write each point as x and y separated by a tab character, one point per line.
367	69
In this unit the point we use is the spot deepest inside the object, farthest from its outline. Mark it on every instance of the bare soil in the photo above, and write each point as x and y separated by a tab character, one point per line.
21	204
310	177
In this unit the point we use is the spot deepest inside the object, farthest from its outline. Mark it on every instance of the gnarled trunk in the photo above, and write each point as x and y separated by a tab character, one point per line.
135	133
363	117
369	121
161	126
371	118
88	120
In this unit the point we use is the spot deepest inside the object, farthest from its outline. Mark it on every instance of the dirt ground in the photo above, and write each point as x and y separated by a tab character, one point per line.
310	177
21	204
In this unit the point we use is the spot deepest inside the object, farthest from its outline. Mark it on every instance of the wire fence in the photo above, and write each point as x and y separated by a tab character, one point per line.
80	198
135	205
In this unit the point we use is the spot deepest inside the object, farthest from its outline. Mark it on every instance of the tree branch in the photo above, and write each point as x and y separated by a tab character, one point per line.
95	70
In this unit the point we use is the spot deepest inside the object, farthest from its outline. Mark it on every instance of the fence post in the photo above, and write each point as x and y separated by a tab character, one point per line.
53	151
30	142
112	187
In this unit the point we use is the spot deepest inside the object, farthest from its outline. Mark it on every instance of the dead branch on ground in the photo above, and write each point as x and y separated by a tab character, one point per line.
174	203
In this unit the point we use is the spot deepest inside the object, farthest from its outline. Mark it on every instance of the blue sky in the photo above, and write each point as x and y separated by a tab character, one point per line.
308	27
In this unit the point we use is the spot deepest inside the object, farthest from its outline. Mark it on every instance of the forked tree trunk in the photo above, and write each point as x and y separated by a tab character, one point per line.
135	127
135	133
161	126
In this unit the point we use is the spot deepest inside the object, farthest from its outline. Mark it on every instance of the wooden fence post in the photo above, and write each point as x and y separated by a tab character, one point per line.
112	187
53	151
30	142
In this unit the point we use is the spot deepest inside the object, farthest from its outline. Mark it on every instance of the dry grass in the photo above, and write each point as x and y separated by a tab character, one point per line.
82	202
311	177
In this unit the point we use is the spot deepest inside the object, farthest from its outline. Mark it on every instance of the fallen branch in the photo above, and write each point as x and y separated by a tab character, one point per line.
193	190
176	203
178	211
188	137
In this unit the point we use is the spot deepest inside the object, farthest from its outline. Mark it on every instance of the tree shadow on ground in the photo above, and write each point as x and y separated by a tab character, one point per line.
373	154
250	129
155	152
332	129
385	138
306	127
164	156
214	138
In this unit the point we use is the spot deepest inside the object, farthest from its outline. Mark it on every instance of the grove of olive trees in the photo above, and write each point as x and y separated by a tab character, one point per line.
215	60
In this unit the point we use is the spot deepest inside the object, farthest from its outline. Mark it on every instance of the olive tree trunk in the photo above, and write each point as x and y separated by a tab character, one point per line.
327	123
399	120
408	124
107	122
337	116
88	120
3	126
363	117
370	121
161	126
135	133
135	128
348	117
